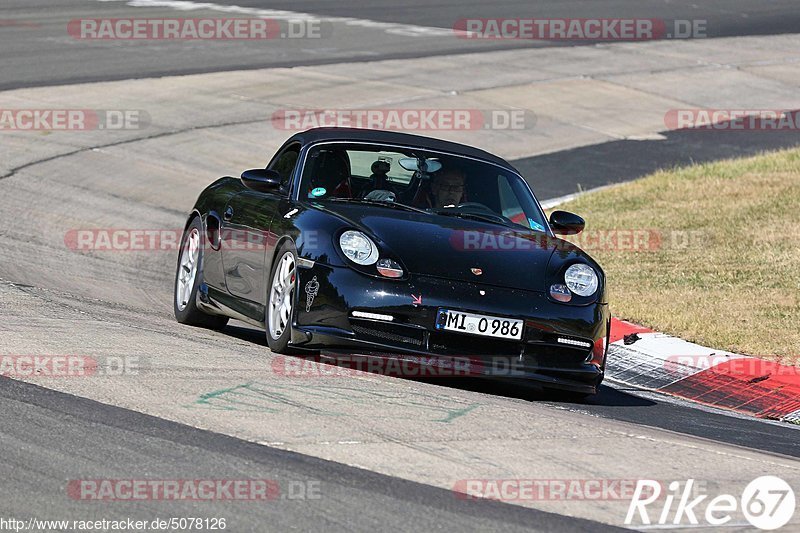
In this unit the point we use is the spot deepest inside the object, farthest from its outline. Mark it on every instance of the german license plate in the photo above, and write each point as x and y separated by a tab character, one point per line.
474	324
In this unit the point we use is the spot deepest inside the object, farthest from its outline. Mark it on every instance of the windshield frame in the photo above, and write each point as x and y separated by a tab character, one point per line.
295	194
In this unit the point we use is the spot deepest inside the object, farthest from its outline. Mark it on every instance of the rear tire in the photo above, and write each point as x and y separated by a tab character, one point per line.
188	277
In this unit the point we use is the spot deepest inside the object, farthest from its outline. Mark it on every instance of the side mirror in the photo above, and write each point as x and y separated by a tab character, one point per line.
261	180
566	223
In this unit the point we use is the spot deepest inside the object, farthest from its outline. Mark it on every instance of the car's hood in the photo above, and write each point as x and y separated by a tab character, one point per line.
455	248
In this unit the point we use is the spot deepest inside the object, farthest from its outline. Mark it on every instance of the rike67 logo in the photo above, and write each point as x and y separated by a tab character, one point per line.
767	503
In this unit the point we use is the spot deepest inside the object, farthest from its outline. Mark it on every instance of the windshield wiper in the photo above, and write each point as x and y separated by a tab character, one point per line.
394	205
483	217
495	219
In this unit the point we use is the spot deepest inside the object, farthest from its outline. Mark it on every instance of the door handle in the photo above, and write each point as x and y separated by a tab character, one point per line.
228	214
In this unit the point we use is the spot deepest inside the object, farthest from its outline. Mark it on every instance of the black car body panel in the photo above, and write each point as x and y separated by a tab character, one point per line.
563	345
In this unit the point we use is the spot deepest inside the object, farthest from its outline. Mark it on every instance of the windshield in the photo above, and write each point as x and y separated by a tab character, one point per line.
439	184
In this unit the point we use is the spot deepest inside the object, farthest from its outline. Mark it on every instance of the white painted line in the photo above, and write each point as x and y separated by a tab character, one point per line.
555	202
654	136
662	346
657	360
394	28
792	417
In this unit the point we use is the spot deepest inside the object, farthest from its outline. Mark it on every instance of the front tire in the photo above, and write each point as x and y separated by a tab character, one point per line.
280	300
188	277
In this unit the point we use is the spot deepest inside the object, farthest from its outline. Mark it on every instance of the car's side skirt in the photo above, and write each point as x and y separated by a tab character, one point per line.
217	302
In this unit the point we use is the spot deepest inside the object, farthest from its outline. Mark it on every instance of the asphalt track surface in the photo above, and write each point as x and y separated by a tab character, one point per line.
561	173
37	49
101	441
726	17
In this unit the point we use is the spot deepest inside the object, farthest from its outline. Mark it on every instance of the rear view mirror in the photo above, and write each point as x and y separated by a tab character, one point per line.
566	223
412	164
261	180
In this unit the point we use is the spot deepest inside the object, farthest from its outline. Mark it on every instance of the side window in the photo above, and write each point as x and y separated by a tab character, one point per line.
509	204
284	164
517	204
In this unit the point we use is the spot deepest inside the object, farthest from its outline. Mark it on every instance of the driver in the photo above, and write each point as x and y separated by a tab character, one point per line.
448	188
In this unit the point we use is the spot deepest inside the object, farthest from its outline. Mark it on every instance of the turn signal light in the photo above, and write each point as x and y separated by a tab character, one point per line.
560	292
389	268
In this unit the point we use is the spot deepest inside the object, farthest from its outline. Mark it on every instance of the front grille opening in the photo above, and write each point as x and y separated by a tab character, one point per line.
550	356
458	344
388	333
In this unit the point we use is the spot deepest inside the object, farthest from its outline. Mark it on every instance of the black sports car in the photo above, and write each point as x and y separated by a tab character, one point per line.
397	246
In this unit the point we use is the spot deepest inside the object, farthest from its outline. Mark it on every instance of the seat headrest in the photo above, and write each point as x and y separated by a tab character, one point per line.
380	167
331	168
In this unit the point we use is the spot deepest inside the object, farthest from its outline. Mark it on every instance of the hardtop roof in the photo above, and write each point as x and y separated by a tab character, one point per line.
397	138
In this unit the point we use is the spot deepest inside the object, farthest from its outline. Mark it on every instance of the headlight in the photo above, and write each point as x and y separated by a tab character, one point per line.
358	247
581	279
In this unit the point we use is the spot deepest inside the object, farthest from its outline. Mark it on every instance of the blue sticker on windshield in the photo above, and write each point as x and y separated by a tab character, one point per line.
535	225
316	193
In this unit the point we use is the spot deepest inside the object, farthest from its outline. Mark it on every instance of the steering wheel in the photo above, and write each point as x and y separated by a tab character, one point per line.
484	209
475	205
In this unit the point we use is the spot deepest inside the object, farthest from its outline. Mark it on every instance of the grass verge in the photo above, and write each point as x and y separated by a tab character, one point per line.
709	253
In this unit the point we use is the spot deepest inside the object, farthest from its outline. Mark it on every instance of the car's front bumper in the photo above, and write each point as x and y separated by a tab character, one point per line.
562	345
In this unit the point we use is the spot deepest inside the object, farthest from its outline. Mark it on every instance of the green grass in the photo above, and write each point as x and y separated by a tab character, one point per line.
726	273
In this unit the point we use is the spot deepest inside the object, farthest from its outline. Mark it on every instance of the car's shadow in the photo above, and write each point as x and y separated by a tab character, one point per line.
617	404
246	333
607	396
